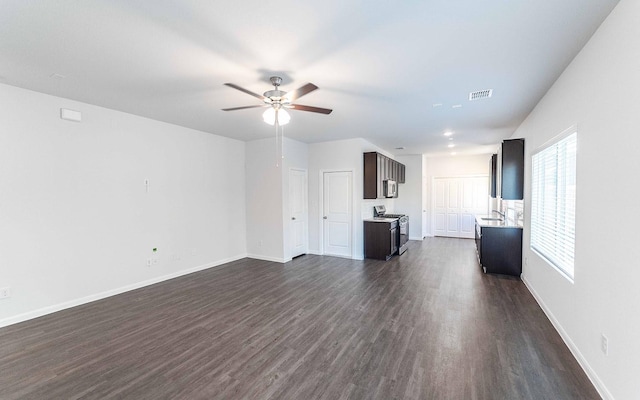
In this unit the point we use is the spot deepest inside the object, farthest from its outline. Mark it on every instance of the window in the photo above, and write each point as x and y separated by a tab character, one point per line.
553	202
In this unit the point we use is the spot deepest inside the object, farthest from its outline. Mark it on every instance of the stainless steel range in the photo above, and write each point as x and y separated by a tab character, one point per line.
403	225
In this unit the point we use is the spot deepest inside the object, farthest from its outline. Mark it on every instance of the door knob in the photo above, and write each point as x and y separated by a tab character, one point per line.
293	218
325	217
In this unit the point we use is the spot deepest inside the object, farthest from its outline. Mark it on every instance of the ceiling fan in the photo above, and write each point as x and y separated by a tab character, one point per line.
278	100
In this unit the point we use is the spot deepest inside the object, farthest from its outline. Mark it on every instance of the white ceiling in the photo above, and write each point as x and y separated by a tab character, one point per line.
380	65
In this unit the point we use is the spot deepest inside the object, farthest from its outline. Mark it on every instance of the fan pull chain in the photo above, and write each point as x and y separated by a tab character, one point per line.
282	142
277	147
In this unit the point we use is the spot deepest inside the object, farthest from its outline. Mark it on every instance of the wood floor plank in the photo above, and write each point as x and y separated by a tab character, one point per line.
426	325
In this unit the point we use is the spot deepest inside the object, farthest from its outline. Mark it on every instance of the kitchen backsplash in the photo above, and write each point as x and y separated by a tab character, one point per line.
513	210
367	206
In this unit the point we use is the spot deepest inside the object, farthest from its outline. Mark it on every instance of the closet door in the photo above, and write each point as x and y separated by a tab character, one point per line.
457	201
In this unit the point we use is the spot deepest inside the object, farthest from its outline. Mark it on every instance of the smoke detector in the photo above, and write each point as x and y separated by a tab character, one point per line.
480	94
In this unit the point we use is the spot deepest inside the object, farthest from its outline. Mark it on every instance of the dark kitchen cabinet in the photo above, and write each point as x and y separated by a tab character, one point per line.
493	166
499	249
388	167
380	239
373	175
377	169
392	168
512	170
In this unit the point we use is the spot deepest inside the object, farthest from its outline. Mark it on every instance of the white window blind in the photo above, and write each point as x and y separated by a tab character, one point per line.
553	202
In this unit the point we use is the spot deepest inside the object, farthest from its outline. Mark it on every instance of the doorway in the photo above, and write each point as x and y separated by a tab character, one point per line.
337	213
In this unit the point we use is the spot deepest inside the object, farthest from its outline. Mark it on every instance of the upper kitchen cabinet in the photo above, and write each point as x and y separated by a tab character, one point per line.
511	169
377	169
493	168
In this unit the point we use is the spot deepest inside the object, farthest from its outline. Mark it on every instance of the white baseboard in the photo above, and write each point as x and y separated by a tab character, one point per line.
420	238
108	293
319	253
593	377
267	258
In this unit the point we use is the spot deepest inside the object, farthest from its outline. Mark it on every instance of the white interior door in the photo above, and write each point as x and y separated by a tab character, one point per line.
337	213
439	207
298	211
456	203
454	216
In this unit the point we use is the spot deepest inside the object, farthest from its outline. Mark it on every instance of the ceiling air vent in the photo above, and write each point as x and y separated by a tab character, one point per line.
480	94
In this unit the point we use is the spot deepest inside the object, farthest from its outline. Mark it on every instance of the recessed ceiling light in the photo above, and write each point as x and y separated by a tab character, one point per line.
450	145
456	106
437	105
448	133
453	153
450	138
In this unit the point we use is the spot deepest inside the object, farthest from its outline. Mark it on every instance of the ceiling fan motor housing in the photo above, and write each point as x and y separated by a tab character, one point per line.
275	95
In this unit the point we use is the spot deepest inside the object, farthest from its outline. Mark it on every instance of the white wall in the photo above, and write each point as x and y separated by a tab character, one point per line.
451	166
75	221
268	228
410	194
600	92
264	201
341	155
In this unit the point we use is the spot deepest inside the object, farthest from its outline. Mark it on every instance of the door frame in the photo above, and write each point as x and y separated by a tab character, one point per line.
432	206
306	212
321	209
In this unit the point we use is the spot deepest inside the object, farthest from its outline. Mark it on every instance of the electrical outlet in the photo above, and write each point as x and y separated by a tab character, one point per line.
149	262
604	345
526	261
259	243
154	261
5	292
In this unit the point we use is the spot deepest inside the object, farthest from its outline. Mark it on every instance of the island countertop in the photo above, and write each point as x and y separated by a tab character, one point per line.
493	222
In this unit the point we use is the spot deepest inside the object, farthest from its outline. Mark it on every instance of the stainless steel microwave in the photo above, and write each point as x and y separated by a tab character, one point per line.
390	188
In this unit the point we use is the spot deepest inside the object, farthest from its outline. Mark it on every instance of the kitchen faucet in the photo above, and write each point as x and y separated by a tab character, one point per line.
498	212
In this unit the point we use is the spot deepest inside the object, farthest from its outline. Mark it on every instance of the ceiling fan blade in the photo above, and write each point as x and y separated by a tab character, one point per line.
249	92
244	107
300	107
301	91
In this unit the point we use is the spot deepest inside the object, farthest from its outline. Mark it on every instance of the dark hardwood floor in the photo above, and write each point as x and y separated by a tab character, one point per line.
426	325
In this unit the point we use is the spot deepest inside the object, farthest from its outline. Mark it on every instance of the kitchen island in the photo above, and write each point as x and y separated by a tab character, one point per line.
499	245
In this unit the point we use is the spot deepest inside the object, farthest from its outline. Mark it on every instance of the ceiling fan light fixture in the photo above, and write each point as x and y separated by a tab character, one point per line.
269	116
283	117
